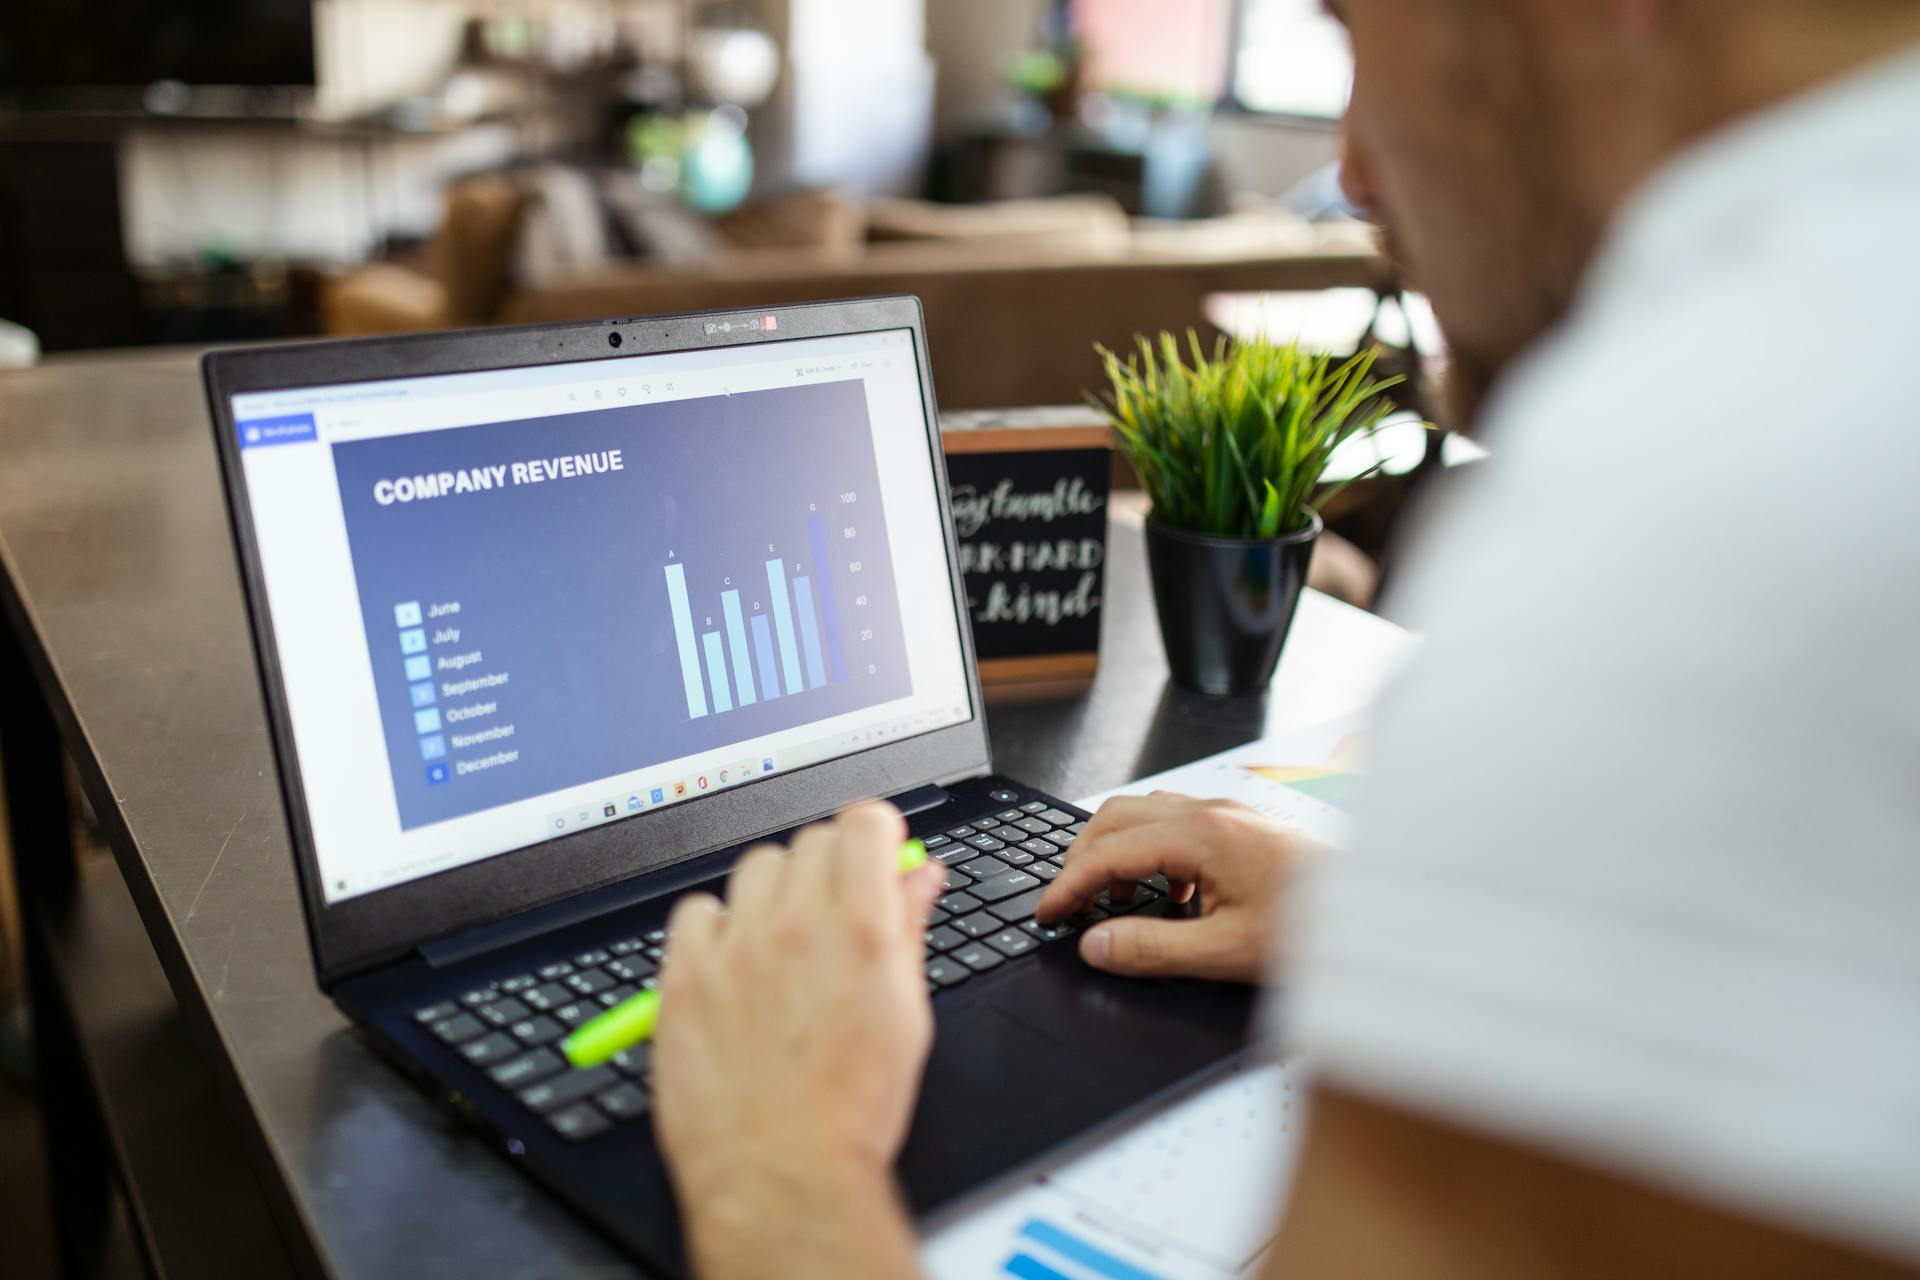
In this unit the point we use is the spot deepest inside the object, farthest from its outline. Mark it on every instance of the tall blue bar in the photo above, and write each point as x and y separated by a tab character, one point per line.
683	634
783	623
809	632
737	643
829	606
763	647
717	672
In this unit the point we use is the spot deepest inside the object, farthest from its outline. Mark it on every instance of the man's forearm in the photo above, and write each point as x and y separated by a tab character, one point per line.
815	1220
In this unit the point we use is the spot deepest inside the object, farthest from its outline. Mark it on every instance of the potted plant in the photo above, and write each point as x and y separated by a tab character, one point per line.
1231	449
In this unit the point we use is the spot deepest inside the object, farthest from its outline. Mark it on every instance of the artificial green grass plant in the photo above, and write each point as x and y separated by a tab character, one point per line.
1233	445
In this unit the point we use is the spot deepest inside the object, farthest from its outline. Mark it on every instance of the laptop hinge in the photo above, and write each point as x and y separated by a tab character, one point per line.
919	799
664	882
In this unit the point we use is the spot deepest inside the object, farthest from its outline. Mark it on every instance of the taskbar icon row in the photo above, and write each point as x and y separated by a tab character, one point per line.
638	800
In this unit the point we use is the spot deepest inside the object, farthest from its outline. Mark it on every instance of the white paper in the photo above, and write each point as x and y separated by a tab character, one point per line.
1193	1191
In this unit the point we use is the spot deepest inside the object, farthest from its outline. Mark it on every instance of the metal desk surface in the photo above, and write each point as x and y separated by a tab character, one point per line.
119	571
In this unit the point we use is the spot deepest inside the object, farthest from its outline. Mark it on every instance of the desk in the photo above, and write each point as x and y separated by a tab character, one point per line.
119	582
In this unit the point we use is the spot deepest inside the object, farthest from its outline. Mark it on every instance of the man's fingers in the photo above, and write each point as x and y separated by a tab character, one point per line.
1149	947
757	879
1172	847
1123	812
923	884
868	853
693	926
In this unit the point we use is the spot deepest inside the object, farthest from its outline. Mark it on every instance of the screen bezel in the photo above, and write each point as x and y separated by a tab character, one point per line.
361	932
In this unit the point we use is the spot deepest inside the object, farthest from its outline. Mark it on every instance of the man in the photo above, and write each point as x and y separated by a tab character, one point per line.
1622	976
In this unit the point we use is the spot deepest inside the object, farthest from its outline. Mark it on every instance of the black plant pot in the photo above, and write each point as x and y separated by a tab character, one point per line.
1226	604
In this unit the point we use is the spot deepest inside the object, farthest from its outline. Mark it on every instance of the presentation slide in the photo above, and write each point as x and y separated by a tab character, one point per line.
557	600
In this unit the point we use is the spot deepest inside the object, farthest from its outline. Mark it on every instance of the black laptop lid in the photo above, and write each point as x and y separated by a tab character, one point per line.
539	610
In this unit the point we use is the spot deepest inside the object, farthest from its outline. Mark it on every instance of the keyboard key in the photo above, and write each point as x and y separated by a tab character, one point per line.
548	995
958	904
1049	932
945	938
945	972
476	997
631	968
592	982
1062	838
655	936
588	959
955	854
614	995
1005	886
493	1047
959	833
1014	857
955	881
1057	818
977	925
1011	943
655	953
1077	828
578	1123
1039	848
572	1015
459	1029
436	1012
1158	881
635	1062
1019	907
626	946
1008	815
937	917
1035	806
537	1031
555	971
985	868
504	1010
624	1102
568	1088
978	956
528	1068
936	842
1045	868
515	985
1034	826
986	844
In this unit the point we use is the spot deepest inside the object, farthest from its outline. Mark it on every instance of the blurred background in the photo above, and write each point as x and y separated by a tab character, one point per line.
198	171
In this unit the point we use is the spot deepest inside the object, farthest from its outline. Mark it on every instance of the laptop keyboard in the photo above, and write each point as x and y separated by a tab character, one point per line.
997	866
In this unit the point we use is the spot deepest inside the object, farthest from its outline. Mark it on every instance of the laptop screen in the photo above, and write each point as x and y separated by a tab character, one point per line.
512	604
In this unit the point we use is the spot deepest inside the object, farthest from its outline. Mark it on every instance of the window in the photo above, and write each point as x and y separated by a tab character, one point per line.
1291	58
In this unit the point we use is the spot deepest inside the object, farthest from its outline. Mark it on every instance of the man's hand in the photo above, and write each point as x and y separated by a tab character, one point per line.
793	1029
1239	860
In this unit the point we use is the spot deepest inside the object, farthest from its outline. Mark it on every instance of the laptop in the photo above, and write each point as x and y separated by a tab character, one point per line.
553	622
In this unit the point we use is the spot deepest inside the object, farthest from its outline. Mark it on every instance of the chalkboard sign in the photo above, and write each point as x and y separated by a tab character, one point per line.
1029	494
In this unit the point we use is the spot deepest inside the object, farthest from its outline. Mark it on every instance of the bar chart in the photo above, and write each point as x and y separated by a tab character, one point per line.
777	630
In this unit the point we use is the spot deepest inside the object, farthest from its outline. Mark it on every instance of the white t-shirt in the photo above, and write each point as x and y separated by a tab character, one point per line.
1637	871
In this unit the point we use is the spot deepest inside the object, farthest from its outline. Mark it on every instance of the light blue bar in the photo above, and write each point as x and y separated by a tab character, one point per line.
783	623
1080	1251
717	672
1024	1266
737	642
683	633
763	646
809	632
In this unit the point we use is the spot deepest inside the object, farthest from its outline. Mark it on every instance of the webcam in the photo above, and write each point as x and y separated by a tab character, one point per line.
613	339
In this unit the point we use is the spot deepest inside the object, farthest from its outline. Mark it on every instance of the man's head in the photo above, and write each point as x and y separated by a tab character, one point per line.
1494	140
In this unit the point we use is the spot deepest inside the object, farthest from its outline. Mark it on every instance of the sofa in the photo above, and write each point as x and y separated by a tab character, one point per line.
1015	294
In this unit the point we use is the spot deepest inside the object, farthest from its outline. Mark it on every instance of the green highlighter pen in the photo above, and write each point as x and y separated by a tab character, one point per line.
632	1021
